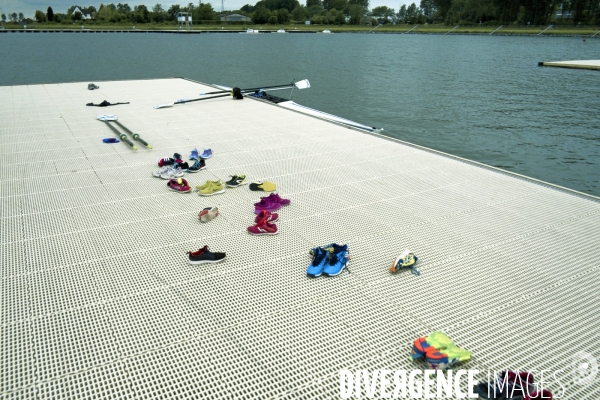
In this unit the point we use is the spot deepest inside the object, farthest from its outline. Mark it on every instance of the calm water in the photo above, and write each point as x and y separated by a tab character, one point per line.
478	97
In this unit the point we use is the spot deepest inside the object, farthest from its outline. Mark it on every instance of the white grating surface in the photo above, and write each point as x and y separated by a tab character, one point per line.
98	300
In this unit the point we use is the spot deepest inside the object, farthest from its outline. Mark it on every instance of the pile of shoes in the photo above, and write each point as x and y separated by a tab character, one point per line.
511	385
265	215
439	351
329	260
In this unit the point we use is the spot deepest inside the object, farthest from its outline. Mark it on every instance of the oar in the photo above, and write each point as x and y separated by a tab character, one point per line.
182	101
114	119
121	136
303	84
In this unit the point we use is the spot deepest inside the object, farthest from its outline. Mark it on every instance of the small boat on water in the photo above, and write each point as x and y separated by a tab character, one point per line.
250	30
326	31
280	30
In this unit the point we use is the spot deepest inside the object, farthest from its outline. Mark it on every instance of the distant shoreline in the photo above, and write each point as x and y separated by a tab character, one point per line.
562	31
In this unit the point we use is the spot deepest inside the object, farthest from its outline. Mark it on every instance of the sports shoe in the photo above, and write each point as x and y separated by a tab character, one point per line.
405	260
207	153
236	180
439	350
263	186
194	154
214	187
274	197
263	228
183	165
171	173
197	166
92	86
169	161
179	185
320	259
267	216
338	260
203	256
265	205
161	171
208	214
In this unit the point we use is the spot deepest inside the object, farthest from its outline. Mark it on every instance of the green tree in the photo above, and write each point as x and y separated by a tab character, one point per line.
283	16
383	12
310	3
40	16
300	13
3	16
204	12
363	3
412	14
21	17
341	5
50	14
356	13
13	17
261	15
273	19
402	14
336	17
141	14
427	7
77	16
172	11
247	8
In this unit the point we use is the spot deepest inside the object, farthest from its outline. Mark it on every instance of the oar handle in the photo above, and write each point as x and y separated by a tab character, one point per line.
135	136
204	98
121	136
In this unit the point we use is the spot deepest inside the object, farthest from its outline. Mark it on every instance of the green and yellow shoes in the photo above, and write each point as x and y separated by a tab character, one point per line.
210	188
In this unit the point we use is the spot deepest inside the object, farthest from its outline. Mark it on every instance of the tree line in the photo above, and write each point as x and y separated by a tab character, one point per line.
353	12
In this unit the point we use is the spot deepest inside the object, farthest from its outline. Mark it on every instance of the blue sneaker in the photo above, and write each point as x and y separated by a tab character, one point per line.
338	260
194	154
320	259
206	154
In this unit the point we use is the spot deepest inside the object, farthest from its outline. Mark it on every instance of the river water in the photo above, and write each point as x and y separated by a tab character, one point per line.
478	97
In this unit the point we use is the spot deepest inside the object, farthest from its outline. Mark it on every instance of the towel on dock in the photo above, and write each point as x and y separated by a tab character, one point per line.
104	104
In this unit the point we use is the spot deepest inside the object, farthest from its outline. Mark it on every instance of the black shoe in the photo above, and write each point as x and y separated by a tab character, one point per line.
236	180
197	166
91	86
203	256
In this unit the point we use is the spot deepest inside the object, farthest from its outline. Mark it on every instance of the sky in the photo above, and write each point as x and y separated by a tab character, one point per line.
28	7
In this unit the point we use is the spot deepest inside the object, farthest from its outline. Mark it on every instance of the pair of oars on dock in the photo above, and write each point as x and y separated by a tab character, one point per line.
238	93
113	118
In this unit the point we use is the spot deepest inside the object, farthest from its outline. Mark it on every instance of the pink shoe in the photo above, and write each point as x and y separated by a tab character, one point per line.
268	216
266	205
179	185
274	198
263	228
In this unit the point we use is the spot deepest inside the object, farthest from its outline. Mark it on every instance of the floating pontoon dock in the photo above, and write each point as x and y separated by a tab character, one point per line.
99	301
577	64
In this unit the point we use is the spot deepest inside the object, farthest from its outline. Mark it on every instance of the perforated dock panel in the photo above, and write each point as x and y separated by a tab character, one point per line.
99	301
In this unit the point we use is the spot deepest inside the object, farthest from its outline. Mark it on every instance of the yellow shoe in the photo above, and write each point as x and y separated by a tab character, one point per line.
214	187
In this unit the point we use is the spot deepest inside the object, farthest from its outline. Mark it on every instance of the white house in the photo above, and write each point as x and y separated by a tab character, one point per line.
85	13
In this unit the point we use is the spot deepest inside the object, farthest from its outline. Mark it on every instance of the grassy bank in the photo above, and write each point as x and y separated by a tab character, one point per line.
422	29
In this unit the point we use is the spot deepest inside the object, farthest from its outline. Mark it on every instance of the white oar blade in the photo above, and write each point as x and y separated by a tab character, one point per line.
303	84
164	105
107	117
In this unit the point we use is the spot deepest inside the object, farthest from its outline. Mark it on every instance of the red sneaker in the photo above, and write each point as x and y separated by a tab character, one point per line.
268	216
179	185
263	228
